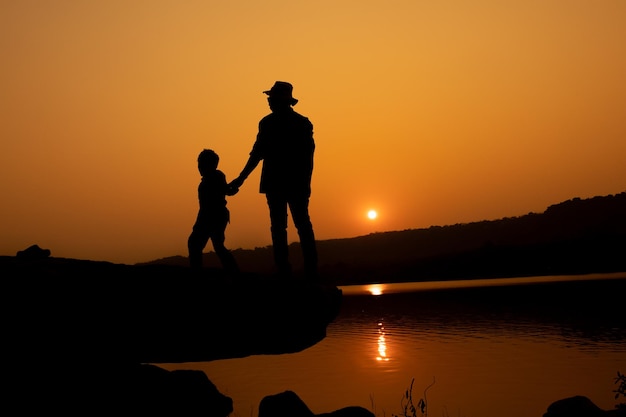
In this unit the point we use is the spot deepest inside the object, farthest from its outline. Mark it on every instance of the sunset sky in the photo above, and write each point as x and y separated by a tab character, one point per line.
429	112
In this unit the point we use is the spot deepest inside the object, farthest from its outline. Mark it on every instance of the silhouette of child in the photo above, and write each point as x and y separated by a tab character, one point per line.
213	216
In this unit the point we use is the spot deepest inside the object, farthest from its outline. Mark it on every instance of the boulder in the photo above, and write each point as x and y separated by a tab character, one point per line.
99	388
288	404
154	391
580	406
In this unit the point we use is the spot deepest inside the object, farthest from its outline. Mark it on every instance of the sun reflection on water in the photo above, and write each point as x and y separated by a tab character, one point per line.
382	344
382	356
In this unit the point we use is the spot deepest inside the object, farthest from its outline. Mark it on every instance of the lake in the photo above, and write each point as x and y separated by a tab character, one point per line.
479	348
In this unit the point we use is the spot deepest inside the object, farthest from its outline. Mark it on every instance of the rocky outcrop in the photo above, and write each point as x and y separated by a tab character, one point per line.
86	338
158	314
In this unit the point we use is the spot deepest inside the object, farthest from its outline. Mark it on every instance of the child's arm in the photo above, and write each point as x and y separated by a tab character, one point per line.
252	163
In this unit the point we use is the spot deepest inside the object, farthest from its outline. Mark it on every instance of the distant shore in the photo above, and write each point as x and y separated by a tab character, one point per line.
397	287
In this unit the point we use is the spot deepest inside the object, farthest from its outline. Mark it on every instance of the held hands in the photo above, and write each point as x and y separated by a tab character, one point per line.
231	190
233	186
236	183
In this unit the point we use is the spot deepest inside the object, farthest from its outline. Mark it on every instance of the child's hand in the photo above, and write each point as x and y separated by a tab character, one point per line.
230	190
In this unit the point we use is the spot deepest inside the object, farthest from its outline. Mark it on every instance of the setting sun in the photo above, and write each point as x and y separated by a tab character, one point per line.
372	214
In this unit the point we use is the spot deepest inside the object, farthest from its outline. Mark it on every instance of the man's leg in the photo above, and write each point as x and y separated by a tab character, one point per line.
300	211
278	220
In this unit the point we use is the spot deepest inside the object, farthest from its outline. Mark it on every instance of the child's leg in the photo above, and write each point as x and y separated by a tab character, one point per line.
195	245
226	258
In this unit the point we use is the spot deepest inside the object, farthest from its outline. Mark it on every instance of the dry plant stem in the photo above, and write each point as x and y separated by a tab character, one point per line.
408	408
621	389
423	403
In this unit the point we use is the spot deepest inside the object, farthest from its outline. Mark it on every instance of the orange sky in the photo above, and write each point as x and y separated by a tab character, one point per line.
433	113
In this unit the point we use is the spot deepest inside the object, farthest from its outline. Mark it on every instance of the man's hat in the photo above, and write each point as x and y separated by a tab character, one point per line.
282	90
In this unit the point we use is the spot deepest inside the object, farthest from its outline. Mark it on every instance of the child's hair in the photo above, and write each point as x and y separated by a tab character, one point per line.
208	158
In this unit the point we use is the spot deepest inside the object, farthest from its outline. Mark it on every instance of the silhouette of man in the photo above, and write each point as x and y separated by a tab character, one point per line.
285	144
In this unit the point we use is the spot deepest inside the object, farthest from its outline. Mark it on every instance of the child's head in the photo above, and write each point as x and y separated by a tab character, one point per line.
207	161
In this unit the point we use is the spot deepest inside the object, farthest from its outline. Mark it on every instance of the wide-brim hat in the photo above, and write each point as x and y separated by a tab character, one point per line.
282	90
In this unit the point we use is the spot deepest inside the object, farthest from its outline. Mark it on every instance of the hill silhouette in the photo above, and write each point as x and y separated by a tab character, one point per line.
577	236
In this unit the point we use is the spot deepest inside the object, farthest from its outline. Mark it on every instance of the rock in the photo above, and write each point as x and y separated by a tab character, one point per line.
288	404
155	391
99	388
580	406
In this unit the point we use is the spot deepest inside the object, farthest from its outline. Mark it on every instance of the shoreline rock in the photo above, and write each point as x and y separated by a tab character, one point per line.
580	406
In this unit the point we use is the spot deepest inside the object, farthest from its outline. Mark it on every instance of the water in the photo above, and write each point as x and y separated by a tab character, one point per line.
484	348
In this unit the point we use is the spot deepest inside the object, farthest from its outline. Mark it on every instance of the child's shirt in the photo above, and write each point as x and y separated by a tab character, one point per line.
212	193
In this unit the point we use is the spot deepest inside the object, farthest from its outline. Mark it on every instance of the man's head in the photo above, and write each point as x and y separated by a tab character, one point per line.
281	93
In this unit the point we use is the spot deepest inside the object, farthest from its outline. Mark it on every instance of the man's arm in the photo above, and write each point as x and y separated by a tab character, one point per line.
252	163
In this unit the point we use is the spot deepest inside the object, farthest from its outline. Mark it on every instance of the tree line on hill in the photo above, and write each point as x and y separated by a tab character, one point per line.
577	236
